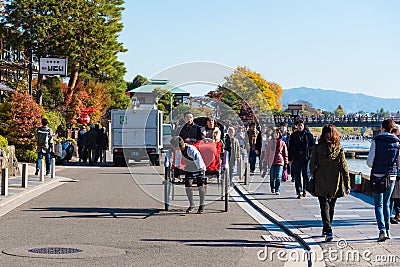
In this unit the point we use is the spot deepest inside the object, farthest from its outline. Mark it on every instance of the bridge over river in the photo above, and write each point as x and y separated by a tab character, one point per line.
338	121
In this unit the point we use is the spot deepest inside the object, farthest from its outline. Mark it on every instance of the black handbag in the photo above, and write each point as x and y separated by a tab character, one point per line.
380	184
310	187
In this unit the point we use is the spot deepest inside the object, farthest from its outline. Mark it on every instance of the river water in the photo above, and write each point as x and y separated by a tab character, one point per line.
360	164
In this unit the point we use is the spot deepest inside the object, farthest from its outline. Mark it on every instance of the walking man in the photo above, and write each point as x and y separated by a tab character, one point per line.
300	144
45	145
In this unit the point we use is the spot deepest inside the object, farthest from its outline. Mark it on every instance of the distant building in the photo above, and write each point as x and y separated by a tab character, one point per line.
145	93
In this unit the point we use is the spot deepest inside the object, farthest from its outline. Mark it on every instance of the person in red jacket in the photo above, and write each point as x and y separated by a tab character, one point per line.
279	160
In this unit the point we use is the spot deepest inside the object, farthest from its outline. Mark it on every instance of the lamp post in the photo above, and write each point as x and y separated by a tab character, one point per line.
30	72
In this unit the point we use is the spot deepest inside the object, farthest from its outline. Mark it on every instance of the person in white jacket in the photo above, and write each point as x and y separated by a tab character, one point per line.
194	168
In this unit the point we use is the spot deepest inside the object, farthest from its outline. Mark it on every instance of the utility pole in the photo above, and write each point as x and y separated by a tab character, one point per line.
30	72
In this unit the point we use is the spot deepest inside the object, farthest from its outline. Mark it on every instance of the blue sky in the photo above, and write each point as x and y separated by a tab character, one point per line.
351	46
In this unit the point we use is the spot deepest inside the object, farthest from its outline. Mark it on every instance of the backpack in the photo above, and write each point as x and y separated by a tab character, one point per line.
43	138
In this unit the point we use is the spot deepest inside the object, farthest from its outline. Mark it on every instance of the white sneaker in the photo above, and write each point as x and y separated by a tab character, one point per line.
277	193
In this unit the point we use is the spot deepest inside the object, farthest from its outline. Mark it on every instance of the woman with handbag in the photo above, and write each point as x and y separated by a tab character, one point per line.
279	159
332	179
383	158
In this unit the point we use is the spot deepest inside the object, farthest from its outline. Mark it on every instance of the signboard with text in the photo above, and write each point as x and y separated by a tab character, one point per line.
53	66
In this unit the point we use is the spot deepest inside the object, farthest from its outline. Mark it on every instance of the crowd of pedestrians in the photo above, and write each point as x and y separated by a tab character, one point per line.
92	142
302	155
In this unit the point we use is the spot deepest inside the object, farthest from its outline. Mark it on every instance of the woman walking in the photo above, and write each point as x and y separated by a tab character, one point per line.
279	160
332	179
383	157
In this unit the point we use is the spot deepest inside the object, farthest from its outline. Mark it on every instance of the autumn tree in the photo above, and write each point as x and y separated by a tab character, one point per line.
247	88
19	118
84	31
339	111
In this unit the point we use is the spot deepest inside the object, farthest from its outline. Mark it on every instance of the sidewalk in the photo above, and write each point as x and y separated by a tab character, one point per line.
17	195
354	224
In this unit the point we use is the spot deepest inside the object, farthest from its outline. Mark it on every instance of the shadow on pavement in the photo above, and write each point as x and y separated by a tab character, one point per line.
98	212
211	242
336	222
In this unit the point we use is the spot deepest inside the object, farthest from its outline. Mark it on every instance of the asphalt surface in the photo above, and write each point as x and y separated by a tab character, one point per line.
105	208
114	216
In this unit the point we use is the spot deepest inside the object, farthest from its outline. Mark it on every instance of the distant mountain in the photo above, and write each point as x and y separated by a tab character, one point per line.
330	99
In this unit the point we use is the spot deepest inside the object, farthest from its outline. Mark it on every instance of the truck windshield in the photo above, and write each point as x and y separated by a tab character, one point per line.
167	130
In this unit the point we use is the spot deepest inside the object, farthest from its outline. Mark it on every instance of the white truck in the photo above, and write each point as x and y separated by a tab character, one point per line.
136	134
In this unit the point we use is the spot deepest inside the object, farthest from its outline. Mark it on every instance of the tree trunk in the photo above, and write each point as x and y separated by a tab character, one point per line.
39	91
73	78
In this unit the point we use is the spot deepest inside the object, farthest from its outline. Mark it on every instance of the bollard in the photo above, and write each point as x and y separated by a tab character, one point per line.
53	168
167	173
239	168
25	175
246	173
41	171
4	182
226	197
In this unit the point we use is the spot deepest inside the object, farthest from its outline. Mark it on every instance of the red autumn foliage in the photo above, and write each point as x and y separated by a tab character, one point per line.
22	116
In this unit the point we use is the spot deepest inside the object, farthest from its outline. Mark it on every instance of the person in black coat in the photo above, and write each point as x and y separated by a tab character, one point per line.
190	131
300	144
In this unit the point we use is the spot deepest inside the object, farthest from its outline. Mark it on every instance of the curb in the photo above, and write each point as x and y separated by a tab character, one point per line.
16	200
308	242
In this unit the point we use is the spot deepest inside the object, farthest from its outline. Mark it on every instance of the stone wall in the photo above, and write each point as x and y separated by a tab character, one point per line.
9	160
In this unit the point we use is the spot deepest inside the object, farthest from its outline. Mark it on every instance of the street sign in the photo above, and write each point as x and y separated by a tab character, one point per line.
53	66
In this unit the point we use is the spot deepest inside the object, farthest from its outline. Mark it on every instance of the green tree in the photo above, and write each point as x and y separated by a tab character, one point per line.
339	111
138	81
52	94
163	102
84	31
382	113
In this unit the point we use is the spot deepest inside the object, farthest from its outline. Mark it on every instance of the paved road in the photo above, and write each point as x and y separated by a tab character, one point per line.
106	208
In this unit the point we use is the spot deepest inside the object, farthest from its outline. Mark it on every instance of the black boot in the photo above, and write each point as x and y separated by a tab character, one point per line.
200	210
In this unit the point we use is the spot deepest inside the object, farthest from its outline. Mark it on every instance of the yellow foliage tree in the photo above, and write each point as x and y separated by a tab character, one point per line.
245	85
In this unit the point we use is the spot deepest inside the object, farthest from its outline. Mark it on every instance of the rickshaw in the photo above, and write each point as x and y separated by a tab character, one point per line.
214	158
